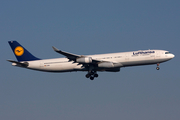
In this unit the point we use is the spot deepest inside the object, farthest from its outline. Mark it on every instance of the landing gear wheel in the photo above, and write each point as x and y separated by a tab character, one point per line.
91	74
157	68
95	75
92	78
87	75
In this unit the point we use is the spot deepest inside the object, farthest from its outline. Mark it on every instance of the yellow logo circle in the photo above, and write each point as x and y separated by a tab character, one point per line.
19	51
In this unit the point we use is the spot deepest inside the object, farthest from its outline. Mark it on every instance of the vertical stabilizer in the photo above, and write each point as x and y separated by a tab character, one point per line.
20	52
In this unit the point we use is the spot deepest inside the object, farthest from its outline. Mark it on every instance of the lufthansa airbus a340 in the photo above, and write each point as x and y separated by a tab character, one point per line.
111	62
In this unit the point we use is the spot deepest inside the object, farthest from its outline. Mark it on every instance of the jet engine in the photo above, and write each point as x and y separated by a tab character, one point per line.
84	60
106	65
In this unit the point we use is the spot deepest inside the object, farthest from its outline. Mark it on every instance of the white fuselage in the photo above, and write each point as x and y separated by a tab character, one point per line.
119	60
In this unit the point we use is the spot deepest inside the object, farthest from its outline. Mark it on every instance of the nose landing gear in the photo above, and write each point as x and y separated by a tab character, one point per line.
157	68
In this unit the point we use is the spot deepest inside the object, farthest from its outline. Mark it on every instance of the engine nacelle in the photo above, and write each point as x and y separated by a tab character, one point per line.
106	65
84	60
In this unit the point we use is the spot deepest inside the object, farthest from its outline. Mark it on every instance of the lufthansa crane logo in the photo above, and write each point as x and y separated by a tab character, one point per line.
19	51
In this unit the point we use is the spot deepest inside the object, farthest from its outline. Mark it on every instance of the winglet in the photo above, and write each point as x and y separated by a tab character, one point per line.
55	49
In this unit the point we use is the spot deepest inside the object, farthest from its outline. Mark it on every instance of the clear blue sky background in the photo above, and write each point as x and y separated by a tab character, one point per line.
90	27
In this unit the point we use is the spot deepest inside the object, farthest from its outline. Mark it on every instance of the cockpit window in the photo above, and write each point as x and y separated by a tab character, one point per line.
167	52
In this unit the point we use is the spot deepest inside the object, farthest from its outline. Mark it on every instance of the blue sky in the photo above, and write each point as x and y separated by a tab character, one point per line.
90	27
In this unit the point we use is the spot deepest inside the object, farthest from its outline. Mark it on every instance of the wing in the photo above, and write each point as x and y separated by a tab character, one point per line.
74	57
70	56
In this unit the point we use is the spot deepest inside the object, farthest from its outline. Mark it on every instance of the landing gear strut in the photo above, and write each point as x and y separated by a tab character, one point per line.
91	75
157	68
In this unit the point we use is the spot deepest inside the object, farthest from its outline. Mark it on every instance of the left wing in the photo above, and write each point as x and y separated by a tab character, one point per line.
77	58
70	56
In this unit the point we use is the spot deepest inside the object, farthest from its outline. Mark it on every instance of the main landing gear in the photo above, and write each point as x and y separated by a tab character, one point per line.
157	68
91	75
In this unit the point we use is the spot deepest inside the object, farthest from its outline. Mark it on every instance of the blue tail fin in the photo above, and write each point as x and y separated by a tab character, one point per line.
20	52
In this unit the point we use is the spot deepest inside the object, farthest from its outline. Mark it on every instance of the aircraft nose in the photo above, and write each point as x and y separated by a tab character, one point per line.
172	55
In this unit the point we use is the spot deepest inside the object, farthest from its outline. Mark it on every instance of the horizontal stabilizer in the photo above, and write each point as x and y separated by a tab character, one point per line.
24	64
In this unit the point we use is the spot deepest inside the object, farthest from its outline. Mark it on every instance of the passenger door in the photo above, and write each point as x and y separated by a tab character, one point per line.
157	55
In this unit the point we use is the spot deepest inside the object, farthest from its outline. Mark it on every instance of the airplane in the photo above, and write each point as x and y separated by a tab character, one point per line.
111	62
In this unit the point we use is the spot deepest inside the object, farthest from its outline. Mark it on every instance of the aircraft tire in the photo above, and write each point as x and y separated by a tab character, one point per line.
87	75
92	78
157	68
96	75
